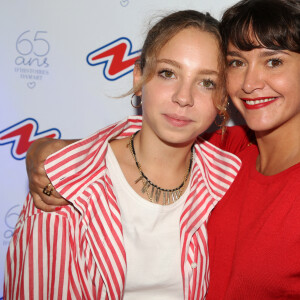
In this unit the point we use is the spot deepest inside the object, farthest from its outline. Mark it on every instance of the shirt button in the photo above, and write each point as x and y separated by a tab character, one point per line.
194	265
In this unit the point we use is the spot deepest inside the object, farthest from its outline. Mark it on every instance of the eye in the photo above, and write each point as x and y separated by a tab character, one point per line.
166	74
235	63
274	62
208	84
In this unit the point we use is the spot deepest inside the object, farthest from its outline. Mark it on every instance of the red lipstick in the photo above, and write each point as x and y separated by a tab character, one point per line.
256	103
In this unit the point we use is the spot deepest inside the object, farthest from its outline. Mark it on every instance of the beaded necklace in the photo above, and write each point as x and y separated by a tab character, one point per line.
169	195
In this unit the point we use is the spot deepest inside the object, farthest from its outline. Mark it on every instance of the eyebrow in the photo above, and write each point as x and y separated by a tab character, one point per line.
177	65
265	53
170	62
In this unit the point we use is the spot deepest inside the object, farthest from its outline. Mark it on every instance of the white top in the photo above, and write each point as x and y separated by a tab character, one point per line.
151	238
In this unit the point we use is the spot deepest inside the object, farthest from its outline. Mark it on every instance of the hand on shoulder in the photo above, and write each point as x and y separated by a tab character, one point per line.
38	180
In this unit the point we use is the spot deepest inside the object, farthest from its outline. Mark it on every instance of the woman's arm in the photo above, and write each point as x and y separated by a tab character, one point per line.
36	156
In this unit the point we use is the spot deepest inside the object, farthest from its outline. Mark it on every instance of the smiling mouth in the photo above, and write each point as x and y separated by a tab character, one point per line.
258	102
253	102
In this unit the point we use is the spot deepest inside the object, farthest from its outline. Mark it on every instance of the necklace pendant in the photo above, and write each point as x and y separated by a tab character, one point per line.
145	187
168	196
165	198
140	178
152	192
176	195
157	195
173	197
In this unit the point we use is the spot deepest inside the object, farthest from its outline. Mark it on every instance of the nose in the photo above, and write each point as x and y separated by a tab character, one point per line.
183	95
253	79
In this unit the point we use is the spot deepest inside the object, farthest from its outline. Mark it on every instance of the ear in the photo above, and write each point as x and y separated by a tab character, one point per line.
137	77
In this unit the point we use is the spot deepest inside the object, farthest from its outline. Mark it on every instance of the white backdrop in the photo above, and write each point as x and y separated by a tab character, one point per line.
51	86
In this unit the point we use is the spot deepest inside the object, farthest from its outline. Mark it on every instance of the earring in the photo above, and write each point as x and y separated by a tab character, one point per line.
222	114
138	105
227	104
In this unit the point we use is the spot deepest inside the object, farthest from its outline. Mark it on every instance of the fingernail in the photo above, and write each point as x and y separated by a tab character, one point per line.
58	208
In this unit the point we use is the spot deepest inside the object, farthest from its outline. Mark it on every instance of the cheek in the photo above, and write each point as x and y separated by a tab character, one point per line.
206	109
232	83
288	88
155	92
206	115
280	83
213	113
149	97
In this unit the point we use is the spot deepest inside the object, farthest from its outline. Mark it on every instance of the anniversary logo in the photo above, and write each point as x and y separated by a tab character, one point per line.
32	61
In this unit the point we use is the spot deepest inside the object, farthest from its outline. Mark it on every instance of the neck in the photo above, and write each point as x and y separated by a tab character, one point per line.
279	149
158	157
164	165
161	171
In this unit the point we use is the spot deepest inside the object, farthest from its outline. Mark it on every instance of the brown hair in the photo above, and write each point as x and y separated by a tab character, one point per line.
274	24
167	28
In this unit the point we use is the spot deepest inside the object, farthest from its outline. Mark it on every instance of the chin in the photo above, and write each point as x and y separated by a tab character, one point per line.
178	141
261	126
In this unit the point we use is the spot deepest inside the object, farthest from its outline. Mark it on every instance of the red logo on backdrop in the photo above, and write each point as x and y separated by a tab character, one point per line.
23	134
117	57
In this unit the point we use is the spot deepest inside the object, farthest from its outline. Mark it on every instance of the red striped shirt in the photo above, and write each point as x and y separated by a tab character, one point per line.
78	252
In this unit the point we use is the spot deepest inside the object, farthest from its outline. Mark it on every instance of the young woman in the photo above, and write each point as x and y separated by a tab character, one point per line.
254	236
140	190
254	232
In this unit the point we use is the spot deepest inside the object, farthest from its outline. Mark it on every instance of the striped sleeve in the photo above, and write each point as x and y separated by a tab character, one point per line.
40	262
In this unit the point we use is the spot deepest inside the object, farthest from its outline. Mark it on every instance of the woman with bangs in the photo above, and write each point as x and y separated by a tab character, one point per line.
254	232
